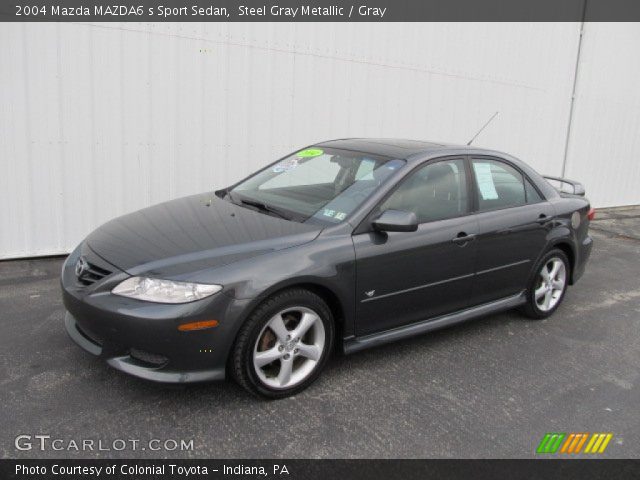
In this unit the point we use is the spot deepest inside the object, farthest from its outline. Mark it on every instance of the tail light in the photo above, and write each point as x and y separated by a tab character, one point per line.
592	214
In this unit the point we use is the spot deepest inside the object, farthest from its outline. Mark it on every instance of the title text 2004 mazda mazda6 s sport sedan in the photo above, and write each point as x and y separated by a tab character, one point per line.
351	242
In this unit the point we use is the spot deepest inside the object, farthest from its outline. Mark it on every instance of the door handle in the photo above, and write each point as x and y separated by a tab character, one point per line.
462	238
542	218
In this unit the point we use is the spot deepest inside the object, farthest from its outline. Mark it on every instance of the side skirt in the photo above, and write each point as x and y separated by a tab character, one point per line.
355	344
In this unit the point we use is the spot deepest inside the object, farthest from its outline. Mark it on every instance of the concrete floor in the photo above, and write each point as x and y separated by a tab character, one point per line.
489	388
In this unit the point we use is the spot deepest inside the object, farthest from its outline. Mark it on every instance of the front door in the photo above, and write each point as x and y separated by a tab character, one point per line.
404	277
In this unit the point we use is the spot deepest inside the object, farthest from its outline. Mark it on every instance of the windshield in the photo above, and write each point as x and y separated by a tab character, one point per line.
319	185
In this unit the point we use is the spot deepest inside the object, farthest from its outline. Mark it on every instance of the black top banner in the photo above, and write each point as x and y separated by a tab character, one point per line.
319	10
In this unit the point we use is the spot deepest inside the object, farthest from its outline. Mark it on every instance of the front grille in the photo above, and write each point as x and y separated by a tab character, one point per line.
152	359
92	274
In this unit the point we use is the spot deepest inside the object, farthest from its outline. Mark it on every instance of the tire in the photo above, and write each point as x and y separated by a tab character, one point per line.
545	293
262	339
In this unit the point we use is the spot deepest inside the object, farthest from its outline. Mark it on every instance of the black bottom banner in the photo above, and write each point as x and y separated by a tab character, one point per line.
582	469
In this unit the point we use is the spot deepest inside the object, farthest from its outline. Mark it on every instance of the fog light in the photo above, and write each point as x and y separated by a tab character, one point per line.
148	357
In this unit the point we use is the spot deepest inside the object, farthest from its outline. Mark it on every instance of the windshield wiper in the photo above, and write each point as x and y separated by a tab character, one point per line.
265	208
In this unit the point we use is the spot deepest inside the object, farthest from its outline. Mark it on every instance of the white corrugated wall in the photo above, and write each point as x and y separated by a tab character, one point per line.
604	146
101	119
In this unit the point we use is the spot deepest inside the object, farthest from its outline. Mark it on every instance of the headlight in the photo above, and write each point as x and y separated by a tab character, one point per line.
164	291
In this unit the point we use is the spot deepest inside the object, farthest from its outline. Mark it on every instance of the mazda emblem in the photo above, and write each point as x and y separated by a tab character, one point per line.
81	266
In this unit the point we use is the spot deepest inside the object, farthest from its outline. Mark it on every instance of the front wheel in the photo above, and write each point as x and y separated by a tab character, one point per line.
284	345
548	286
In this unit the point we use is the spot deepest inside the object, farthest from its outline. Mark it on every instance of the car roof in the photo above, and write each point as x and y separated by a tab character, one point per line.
395	147
416	150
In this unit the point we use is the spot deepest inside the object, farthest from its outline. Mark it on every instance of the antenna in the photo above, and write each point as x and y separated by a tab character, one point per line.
483	127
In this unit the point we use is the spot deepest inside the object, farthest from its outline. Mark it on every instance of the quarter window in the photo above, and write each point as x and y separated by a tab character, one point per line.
498	185
434	192
532	194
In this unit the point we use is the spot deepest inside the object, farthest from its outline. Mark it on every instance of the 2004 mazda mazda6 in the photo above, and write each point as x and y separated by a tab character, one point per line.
351	242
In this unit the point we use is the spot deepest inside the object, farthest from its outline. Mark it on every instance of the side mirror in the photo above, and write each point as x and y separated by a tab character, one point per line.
396	221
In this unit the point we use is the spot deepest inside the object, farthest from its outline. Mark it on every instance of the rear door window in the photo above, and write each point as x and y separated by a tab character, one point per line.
498	185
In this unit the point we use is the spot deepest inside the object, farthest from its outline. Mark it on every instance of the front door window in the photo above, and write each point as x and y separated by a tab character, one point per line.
436	191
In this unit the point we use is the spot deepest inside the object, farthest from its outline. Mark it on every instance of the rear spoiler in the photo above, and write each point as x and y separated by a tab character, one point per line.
576	187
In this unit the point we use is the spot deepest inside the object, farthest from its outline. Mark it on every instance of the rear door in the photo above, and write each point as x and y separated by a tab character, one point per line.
513	221
404	277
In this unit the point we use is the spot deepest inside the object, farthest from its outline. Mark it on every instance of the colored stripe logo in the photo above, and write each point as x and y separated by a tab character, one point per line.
574	443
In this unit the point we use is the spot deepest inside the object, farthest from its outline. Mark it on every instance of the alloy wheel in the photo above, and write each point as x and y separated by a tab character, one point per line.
550	285
289	347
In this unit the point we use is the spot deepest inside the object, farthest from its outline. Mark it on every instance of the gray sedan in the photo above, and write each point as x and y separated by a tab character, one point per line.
344	245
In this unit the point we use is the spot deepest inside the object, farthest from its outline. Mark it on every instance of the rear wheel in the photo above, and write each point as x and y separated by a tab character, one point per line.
284	345
548	286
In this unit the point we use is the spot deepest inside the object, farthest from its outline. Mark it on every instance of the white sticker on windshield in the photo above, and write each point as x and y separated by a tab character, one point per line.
340	216
286	165
485	181
328	212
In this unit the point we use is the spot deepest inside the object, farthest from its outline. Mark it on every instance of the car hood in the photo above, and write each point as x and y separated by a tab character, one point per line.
192	234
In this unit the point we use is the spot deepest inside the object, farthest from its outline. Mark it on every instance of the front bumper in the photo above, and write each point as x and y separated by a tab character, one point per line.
142	338
136	367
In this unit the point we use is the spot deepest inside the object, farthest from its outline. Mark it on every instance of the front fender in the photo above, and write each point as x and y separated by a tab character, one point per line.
326	264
